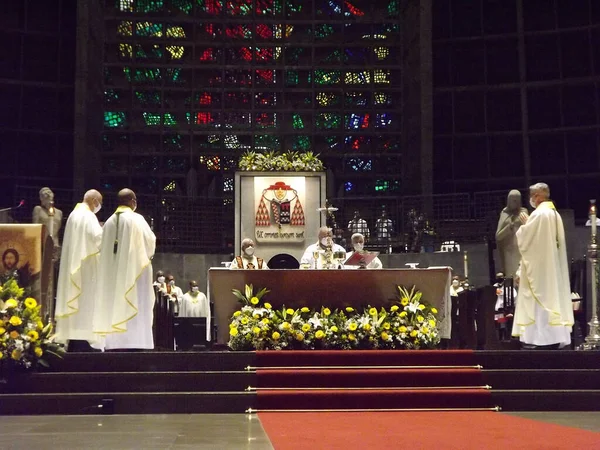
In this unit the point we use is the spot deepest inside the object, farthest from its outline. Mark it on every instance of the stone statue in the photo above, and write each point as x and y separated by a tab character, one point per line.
51	217
506	234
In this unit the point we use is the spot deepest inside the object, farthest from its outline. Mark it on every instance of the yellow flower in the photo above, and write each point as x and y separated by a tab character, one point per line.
256	330
15	321
326	311
385	336
244	320
285	326
434	311
421	307
372	311
319	334
352	326
367	326
349	309
351	337
16	354
254	300
1	355
40	325
404	301
403	314
306	327
268	306
14	334
305	309
38	352
403	329
432	322
233	331
289	311
394	308
334	329
299	337
276	335
33	335
2	330
265	321
30	303
386	326
237	313
256	315
414	333
425	330
420	319
10	303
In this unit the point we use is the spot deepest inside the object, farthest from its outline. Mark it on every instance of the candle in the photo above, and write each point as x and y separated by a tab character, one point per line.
466	268
593	216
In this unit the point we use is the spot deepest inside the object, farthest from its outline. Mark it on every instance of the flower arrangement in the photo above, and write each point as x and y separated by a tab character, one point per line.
407	323
25	340
275	161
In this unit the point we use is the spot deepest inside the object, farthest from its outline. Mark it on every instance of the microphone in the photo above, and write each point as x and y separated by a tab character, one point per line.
21	203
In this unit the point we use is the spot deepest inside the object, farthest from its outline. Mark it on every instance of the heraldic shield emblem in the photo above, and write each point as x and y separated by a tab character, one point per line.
279	215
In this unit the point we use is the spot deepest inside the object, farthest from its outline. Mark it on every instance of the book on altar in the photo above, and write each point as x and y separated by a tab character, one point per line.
359	258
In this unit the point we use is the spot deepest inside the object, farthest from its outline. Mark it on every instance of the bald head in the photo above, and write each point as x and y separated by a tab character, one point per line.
126	197
93	199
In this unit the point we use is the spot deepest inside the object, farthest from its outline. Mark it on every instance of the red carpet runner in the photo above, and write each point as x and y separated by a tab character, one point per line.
419	430
374	380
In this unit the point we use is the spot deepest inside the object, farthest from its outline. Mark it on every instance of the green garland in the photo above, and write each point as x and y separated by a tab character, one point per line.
284	162
408	323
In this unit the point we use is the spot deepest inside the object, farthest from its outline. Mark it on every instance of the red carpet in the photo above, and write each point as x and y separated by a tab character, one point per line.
419	430
326	380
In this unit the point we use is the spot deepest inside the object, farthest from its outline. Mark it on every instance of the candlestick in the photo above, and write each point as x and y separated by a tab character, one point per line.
593	215
466	265
592	340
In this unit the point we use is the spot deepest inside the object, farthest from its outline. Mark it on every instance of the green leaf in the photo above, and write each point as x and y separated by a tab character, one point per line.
43	362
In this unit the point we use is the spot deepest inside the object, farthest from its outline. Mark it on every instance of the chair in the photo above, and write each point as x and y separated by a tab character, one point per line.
578	287
283	261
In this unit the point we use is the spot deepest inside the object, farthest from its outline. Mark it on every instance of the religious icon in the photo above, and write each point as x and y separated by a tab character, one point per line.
280	197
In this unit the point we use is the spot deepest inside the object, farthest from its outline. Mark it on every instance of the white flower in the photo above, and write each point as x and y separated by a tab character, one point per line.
19	344
315	321
297	319
412	307
364	320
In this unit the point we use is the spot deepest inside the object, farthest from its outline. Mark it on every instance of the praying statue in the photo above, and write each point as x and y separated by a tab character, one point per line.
506	234
46	214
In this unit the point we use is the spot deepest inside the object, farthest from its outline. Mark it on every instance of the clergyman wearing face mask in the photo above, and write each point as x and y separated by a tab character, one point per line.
324	244
248	260
358	244
173	290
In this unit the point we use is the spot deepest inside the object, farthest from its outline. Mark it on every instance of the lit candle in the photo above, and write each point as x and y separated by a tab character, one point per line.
593	216
466	269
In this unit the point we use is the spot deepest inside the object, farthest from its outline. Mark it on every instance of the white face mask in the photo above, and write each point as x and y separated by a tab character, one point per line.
531	202
195	289
172	283
325	241
97	208
249	251
161	279
455	283
358	247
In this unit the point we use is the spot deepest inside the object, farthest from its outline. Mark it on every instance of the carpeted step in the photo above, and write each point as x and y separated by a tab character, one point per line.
298	358
542	378
331	378
537	359
331	399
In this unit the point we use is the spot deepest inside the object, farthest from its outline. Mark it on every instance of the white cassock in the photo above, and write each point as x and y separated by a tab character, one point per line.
375	264
77	277
194	304
243	262
309	258
174	292
125	291
544	313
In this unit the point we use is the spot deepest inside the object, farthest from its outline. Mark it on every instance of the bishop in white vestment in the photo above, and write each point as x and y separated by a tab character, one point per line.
544	313
77	277
126	295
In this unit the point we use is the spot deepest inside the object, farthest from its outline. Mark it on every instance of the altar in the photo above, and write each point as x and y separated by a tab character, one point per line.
332	288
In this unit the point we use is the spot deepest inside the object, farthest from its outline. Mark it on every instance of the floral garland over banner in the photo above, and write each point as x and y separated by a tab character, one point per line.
408	323
275	161
25	340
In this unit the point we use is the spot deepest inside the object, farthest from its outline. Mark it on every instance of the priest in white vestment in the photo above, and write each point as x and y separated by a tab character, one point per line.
315	254
77	277
248	260
194	303
543	313
358	244
126	295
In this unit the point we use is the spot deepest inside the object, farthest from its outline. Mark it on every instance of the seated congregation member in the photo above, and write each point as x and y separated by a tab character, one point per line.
248	260
315	254
358	244
194	303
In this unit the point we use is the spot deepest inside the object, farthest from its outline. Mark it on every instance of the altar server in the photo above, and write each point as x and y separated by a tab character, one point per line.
248	260
77	277
194	303
126	296
544	313
358	244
